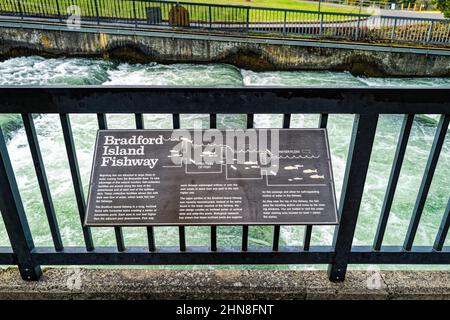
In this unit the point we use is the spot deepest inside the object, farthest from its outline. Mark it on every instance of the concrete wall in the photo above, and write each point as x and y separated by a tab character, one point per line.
255	54
79	283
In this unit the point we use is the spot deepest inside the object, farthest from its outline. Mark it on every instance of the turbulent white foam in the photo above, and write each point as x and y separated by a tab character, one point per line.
174	75
406	82
301	78
40	71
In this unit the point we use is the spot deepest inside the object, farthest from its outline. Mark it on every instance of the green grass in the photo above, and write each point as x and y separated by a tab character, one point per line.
124	9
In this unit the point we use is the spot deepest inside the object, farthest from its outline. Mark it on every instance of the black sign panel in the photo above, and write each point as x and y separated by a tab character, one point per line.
211	177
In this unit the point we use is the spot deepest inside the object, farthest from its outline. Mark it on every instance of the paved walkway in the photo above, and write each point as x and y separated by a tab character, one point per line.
410	14
80	283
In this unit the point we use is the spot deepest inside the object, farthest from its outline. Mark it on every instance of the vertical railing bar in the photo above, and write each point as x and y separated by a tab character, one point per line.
307	238
176	120
181	229
139	119
433	158
213	121
213	238
14	217
323	121
42	180
393	179
363	135
58	10
97	14
276	229
244	247
250	121
19	3
182	237
103	125
76	178
244	238
134	14
286	120
213	125
443	229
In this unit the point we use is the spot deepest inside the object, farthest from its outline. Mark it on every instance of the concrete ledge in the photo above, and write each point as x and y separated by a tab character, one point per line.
258	54
79	283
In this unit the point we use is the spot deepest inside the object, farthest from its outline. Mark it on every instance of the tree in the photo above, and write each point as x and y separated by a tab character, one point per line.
443	6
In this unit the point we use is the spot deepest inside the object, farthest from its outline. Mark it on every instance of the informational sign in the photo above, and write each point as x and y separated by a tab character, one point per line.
211	177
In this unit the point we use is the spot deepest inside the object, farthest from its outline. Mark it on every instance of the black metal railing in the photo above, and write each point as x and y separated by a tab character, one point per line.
228	18
365	104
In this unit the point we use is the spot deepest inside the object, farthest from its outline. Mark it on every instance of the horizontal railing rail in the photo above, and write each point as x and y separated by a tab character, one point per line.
366	105
231	18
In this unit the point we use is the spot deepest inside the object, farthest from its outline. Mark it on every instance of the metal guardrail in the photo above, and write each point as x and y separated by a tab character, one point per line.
386	5
242	19
366	104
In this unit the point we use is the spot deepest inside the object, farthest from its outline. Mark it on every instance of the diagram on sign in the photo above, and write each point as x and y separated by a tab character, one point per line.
282	168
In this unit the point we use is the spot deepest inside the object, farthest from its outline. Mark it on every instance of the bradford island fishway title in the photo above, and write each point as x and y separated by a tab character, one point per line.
117	151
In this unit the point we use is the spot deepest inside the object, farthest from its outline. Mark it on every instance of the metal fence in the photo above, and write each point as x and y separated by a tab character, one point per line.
242	19
365	104
386	5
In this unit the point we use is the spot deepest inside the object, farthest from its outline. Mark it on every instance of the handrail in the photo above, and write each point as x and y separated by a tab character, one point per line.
163	99
242	19
367	104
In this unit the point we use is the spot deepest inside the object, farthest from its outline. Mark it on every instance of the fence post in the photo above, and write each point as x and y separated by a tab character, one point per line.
210	17
134	12
15	219
248	19
96	11
285	18
393	30
19	5
362	138
59	11
321	24
357	28
430	32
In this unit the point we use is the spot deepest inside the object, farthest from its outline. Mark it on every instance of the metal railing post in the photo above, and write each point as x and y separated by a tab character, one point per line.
363	134
59	11
210	17
285	18
321	24
393	29
248	19
96	11
15	219
134	12
430	32
19	5
357	28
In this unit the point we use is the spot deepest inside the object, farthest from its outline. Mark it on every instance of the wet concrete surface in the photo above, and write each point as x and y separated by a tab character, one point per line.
89	283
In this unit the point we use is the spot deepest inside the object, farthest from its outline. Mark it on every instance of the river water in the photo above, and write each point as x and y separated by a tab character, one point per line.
62	71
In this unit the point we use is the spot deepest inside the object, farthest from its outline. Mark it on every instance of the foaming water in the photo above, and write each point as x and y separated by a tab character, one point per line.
301	78
40	71
175	75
